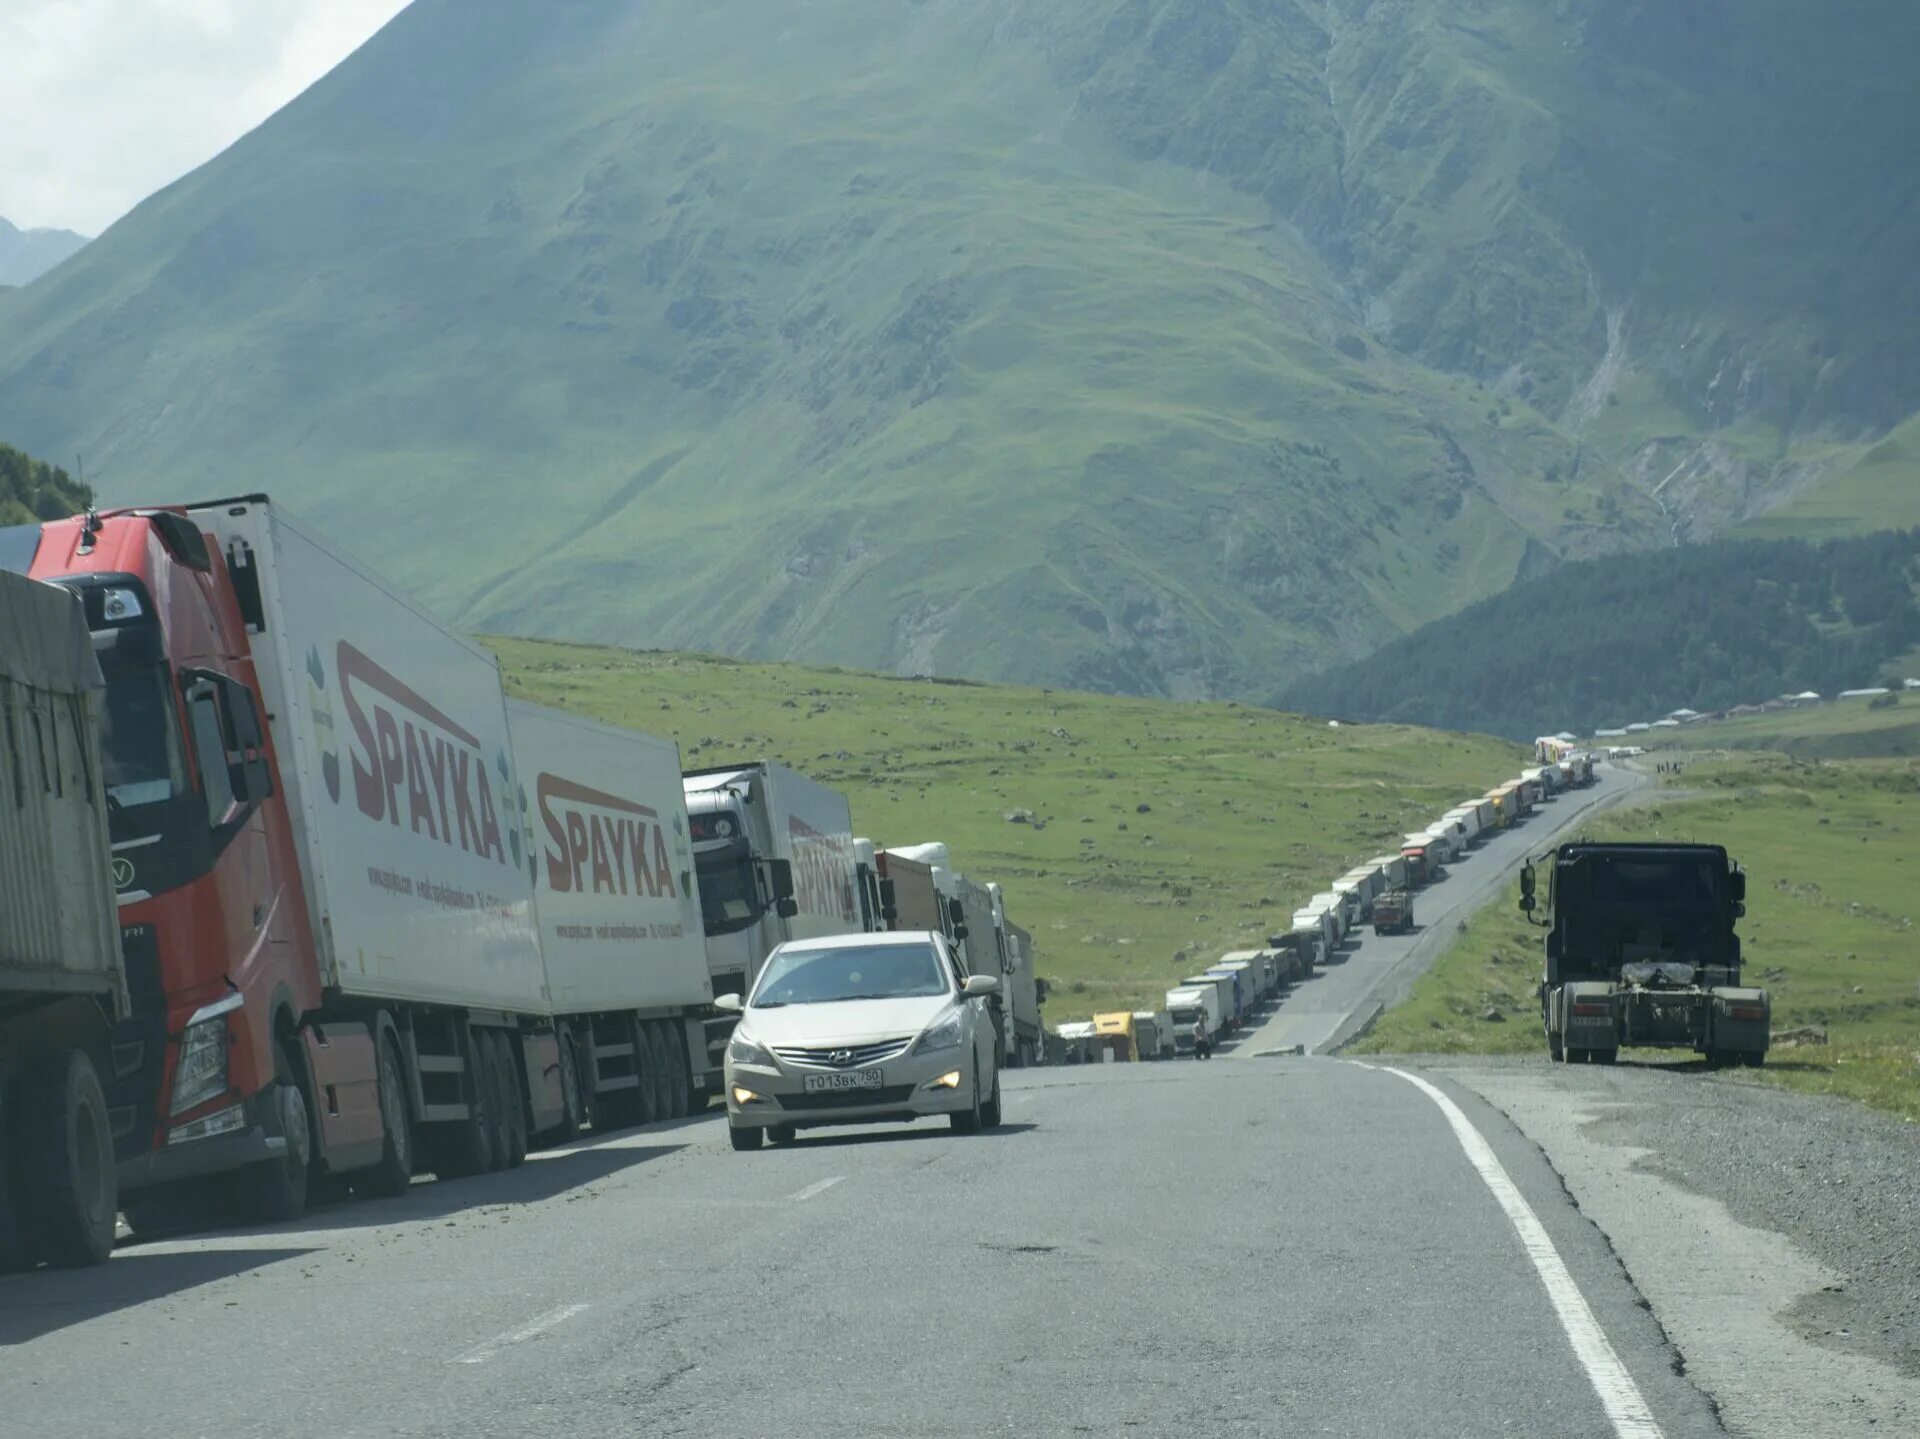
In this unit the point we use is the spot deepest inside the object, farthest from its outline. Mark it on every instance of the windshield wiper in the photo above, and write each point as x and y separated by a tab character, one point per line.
770	1003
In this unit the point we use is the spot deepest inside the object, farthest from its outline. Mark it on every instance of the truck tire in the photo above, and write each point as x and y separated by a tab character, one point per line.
1555	1050
66	1187
1576	1056
573	1103
513	1107
465	1146
662	1070
393	1175
1756	1058
680	1084
647	1064
499	1125
279	1186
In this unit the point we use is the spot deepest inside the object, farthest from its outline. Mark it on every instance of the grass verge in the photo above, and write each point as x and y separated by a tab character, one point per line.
1833	889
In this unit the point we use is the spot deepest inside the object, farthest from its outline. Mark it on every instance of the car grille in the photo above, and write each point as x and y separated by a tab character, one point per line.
846	1056
849	1098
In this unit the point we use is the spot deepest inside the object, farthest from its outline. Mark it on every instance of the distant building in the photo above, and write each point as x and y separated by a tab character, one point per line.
1910	684
1683	715
1617	733
1638	728
1866	694
1665	724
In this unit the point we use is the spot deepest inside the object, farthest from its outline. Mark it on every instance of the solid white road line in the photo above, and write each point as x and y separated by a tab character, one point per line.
1626	1407
819	1186
481	1353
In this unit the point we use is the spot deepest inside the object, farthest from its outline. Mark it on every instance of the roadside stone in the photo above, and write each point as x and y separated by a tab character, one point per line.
1143	809
1492	1015
1799	1035
1018	816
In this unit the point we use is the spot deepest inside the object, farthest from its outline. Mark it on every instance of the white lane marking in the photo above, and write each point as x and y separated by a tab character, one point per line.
819	1186
1626	1407
481	1353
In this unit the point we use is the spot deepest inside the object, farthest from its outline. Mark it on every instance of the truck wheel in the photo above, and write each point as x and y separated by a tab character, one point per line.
662	1070
744	1139
499	1126
647	1062
394	1173
280	1185
66	1187
1555	1050
1576	1056
680	1086
513	1109
465	1146
573	1105
1756	1058
1602	1056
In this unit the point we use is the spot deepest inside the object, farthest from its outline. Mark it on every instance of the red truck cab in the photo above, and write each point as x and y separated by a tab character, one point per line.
219	958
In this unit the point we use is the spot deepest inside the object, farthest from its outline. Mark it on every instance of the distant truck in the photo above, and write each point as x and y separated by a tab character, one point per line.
1393	912
1114	1033
1188	1004
1153	1033
774	860
62	983
1641	950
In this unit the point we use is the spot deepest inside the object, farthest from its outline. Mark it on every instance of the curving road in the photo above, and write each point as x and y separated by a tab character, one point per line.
1377	970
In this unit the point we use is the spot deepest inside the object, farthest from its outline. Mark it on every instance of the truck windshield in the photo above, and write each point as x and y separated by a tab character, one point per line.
729	899
844	972
141	762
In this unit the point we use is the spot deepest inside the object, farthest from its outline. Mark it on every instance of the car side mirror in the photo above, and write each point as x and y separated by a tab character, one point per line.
786	908
979	984
728	1003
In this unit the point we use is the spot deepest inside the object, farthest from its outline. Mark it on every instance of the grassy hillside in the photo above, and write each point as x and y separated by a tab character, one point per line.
1628	639
1164	347
32	490
1248	810
1829	931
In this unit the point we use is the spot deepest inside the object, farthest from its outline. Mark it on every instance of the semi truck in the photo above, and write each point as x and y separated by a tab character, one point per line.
325	854
774	860
1641	949
1153	1031
63	986
619	920
1393	912
1025	991
1187	1004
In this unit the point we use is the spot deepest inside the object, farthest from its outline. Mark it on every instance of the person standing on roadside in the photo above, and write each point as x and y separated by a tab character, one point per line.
1202	1039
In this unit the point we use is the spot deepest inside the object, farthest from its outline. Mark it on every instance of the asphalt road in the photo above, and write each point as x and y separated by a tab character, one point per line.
1296	1246
1377	970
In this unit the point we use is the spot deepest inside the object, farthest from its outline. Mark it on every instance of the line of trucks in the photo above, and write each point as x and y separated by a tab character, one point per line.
291	890
1380	892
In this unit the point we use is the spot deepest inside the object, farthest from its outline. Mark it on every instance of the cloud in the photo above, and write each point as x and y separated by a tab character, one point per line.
102	102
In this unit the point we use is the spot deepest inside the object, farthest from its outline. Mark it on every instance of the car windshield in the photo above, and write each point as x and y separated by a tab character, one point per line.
846	972
141	760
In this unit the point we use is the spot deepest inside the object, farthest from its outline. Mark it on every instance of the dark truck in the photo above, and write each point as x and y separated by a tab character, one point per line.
1393	912
1641	951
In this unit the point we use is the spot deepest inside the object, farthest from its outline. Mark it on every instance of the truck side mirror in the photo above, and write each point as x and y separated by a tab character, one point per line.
959	933
957	918
1526	884
786	908
1526	904
780	876
889	908
1737	885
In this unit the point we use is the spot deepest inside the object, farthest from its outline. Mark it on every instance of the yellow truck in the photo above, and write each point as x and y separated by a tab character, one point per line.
1115	1032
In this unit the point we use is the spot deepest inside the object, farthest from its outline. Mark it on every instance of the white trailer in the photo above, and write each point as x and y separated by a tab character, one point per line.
62	985
1153	1031
617	911
1185	1005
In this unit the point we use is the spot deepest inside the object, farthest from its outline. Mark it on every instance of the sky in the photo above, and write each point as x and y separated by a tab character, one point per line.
102	102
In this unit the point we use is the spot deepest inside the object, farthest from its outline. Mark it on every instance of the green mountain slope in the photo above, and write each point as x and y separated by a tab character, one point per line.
1628	639
1170	347
1248	811
32	490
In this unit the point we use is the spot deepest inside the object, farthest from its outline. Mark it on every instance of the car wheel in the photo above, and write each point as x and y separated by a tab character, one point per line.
744	1139
781	1133
967	1121
990	1111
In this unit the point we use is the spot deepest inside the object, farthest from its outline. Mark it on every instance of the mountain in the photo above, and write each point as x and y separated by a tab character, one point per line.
33	490
26	255
1627	639
1173	347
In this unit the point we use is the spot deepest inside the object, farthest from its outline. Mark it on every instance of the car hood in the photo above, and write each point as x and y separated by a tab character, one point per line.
850	1021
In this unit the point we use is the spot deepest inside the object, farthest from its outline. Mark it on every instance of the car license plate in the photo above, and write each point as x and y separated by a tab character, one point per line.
846	1079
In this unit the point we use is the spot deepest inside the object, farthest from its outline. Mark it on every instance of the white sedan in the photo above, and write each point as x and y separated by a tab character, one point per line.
861	1029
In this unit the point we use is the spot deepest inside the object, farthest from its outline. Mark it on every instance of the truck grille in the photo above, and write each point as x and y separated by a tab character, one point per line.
846	1056
893	1094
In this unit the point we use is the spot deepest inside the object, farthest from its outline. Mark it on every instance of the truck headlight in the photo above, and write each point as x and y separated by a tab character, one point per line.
742	1049
202	1071
941	1034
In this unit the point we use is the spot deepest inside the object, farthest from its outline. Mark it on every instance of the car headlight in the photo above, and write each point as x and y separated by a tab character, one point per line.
202	1071
942	1034
742	1049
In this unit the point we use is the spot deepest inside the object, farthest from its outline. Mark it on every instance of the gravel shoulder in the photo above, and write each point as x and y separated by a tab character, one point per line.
1774	1234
